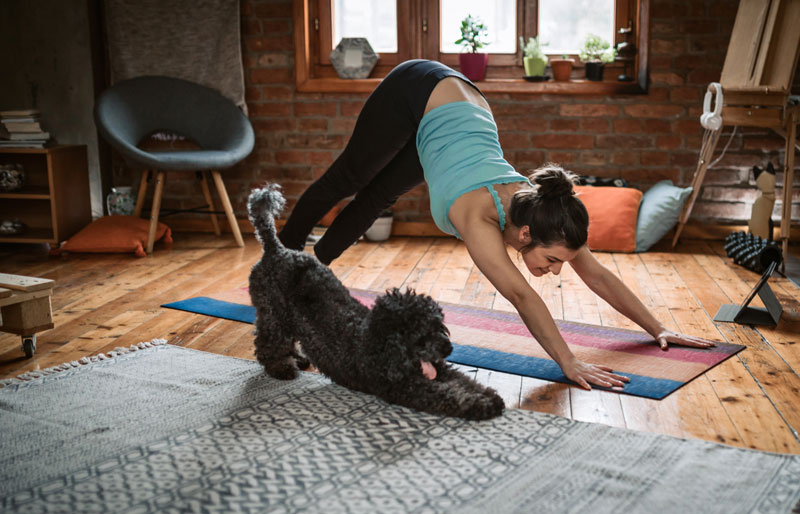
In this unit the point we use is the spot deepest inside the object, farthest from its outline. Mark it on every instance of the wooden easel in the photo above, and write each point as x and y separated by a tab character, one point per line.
756	83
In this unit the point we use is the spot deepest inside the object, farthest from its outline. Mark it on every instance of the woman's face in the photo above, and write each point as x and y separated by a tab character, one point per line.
542	259
547	259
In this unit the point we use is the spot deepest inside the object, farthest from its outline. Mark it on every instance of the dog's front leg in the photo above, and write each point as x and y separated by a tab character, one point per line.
275	348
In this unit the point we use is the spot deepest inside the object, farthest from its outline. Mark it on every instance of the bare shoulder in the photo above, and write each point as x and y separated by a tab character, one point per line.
453	89
473	209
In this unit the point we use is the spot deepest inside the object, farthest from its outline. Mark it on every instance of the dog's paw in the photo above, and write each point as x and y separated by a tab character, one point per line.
484	406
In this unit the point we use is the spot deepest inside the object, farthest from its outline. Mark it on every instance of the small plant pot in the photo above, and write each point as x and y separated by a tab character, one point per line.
562	69
594	71
473	66
534	67
381	228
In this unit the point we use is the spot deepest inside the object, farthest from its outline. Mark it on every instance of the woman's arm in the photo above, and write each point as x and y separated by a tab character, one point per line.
485	245
611	289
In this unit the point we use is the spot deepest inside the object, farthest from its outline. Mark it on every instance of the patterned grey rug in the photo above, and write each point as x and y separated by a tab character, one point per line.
168	429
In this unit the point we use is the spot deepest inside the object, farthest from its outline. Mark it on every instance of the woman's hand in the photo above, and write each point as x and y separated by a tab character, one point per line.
664	337
584	374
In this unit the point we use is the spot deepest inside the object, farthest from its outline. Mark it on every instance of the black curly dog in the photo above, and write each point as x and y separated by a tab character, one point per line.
378	351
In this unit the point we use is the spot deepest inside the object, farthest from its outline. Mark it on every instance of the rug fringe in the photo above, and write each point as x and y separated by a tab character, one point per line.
31	375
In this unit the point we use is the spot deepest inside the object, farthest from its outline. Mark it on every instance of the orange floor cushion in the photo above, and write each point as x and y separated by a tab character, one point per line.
613	213
114	234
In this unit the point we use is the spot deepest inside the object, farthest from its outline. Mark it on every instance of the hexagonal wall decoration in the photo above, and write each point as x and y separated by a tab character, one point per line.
353	58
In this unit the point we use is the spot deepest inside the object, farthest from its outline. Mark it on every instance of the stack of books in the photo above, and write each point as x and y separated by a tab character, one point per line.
21	129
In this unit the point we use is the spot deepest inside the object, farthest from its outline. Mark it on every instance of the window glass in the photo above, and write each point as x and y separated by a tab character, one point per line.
499	17
564	24
375	20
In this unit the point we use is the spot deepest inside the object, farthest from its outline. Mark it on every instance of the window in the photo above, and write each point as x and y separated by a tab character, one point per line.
407	29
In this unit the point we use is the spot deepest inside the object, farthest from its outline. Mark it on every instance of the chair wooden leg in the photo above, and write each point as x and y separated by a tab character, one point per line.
154	212
226	204
209	201
788	182
137	212
706	153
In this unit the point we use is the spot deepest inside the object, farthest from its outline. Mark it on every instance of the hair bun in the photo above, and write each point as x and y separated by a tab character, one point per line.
553	181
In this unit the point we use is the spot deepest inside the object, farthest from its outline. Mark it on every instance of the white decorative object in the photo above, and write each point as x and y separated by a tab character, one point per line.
121	201
381	228
353	58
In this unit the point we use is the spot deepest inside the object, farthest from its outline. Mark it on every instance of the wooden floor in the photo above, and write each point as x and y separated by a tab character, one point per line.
752	400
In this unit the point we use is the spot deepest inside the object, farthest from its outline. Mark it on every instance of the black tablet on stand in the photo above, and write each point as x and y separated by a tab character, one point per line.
745	315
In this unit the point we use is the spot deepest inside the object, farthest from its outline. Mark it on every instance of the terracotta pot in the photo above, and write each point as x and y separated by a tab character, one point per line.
562	69
473	66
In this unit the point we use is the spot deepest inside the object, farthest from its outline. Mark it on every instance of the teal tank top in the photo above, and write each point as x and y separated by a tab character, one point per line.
460	152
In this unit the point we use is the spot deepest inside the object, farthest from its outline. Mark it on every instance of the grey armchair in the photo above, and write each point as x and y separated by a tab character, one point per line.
136	108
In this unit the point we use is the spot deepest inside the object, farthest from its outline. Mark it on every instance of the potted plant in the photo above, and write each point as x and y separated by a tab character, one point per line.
533	58
381	228
562	68
595	54
472	62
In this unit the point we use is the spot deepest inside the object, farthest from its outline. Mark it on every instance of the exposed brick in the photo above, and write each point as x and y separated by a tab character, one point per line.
312	124
625	158
765	144
655	158
274	26
315	109
271	75
320	158
275	125
656	126
252	94
275	60
277	92
701	26
686	95
666	77
515	140
270	109
561	125
654	111
615	141
266	43
593	158
561	157
667	46
594	125
565	141
251	27
668	142
628	126
529	158
291	157
351	108
589	110
651	175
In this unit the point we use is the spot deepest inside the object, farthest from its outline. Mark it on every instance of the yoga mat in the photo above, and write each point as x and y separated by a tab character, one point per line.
500	341
167	429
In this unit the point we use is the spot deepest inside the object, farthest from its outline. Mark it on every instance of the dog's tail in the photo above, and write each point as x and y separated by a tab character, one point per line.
263	205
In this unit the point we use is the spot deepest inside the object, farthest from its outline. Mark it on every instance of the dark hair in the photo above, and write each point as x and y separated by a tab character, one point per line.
551	209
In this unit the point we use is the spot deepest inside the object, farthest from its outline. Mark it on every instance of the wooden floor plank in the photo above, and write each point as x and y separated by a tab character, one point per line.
729	379
102	302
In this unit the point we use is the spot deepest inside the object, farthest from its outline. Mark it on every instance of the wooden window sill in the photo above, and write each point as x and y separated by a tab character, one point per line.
573	87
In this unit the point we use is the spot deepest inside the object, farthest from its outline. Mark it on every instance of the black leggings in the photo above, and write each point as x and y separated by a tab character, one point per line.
379	164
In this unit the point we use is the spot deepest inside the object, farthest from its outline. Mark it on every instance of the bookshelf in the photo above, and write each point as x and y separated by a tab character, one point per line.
55	202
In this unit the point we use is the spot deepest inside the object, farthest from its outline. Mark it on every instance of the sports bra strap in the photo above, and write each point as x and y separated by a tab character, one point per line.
499	206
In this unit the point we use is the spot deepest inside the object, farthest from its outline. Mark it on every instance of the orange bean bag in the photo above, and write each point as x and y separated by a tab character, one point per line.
114	234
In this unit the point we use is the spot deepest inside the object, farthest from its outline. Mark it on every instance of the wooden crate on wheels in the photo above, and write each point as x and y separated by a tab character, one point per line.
25	308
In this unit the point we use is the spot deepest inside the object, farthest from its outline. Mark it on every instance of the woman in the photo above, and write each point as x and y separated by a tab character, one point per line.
428	122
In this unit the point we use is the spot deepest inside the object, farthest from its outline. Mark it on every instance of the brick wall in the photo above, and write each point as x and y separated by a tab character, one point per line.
642	138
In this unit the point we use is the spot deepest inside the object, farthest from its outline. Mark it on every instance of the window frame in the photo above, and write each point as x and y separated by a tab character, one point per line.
314	73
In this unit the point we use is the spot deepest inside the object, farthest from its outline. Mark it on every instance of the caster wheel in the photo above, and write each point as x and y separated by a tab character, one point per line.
29	345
